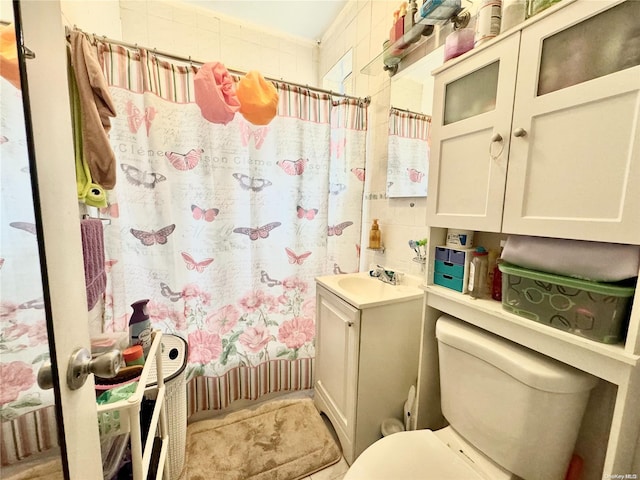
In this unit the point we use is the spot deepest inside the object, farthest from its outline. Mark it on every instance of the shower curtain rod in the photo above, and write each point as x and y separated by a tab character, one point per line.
190	60
409	111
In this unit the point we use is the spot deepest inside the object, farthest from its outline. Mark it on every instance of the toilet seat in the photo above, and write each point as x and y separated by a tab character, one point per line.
413	455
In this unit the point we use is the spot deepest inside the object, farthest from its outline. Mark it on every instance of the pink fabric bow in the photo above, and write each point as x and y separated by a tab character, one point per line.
215	93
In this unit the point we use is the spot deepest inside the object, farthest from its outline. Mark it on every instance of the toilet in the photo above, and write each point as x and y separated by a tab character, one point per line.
512	413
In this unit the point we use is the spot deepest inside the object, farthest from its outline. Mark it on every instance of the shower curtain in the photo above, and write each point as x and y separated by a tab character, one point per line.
27	416
224	227
408	150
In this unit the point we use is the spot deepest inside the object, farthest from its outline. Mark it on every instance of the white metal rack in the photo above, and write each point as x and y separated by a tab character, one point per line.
124	416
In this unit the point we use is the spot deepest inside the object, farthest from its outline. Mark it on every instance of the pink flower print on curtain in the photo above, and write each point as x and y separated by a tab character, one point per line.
255	339
204	347
296	332
16	377
223	320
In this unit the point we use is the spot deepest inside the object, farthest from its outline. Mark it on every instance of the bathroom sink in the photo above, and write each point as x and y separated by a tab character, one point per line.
362	291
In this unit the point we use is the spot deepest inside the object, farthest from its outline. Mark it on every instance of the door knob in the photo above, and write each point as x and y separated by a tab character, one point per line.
45	376
81	365
519	132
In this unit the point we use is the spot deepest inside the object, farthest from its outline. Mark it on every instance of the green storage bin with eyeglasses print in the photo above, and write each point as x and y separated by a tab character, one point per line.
598	311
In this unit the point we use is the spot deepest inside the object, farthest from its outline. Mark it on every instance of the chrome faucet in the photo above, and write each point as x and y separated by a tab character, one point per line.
384	275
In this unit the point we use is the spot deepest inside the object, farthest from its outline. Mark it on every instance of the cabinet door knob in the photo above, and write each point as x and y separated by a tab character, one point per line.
497	138
349	324
519	132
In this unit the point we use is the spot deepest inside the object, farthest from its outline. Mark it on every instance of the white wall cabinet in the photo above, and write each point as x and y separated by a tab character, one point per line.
366	360
538	133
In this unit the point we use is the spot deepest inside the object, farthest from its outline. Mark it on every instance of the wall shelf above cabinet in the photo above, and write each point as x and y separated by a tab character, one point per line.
422	35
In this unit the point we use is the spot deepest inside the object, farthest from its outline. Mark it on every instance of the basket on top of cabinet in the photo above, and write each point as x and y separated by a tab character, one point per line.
595	310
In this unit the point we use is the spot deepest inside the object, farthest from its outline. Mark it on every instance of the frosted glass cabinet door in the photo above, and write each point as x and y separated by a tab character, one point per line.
574	164
473	103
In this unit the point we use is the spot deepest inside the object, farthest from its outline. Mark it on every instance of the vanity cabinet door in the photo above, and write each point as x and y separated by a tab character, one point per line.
473	102
337	351
574	163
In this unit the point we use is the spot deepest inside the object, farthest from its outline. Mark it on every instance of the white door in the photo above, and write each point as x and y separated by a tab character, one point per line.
473	102
576	171
63	281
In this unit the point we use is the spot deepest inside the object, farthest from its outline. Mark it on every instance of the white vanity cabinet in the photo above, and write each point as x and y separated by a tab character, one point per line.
538	132
366	361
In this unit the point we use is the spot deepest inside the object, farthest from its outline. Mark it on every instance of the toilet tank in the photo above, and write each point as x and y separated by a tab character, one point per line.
521	409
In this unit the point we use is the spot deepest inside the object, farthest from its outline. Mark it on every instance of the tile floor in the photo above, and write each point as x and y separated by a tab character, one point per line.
336	471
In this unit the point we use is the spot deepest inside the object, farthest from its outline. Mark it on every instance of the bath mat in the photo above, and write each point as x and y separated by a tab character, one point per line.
280	440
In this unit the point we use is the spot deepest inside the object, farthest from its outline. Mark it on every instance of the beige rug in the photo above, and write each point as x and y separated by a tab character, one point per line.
280	440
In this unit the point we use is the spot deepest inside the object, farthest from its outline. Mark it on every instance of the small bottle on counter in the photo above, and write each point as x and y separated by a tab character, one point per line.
374	235
488	21
478	274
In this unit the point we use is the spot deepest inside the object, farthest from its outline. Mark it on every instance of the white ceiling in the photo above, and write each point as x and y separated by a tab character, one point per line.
308	19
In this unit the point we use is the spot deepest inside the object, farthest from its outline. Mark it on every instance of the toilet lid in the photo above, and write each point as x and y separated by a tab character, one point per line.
414	455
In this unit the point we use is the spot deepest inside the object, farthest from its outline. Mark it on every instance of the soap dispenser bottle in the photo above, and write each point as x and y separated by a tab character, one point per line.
140	326
374	235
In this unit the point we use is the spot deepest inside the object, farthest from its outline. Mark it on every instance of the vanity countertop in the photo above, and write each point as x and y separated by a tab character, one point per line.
363	291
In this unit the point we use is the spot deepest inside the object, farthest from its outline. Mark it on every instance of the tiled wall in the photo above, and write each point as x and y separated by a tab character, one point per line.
192	31
364	26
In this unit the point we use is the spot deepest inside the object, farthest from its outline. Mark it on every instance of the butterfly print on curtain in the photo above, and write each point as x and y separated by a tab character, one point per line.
259	135
208	215
111	209
308	214
153	237
266	279
168	293
108	264
337	229
296	259
251	183
26	226
359	173
139	178
415	175
185	161
260	232
193	264
293	167
135	118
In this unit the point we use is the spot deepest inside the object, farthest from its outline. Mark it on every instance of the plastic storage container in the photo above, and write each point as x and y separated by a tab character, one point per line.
458	42
451	268
598	311
436	12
